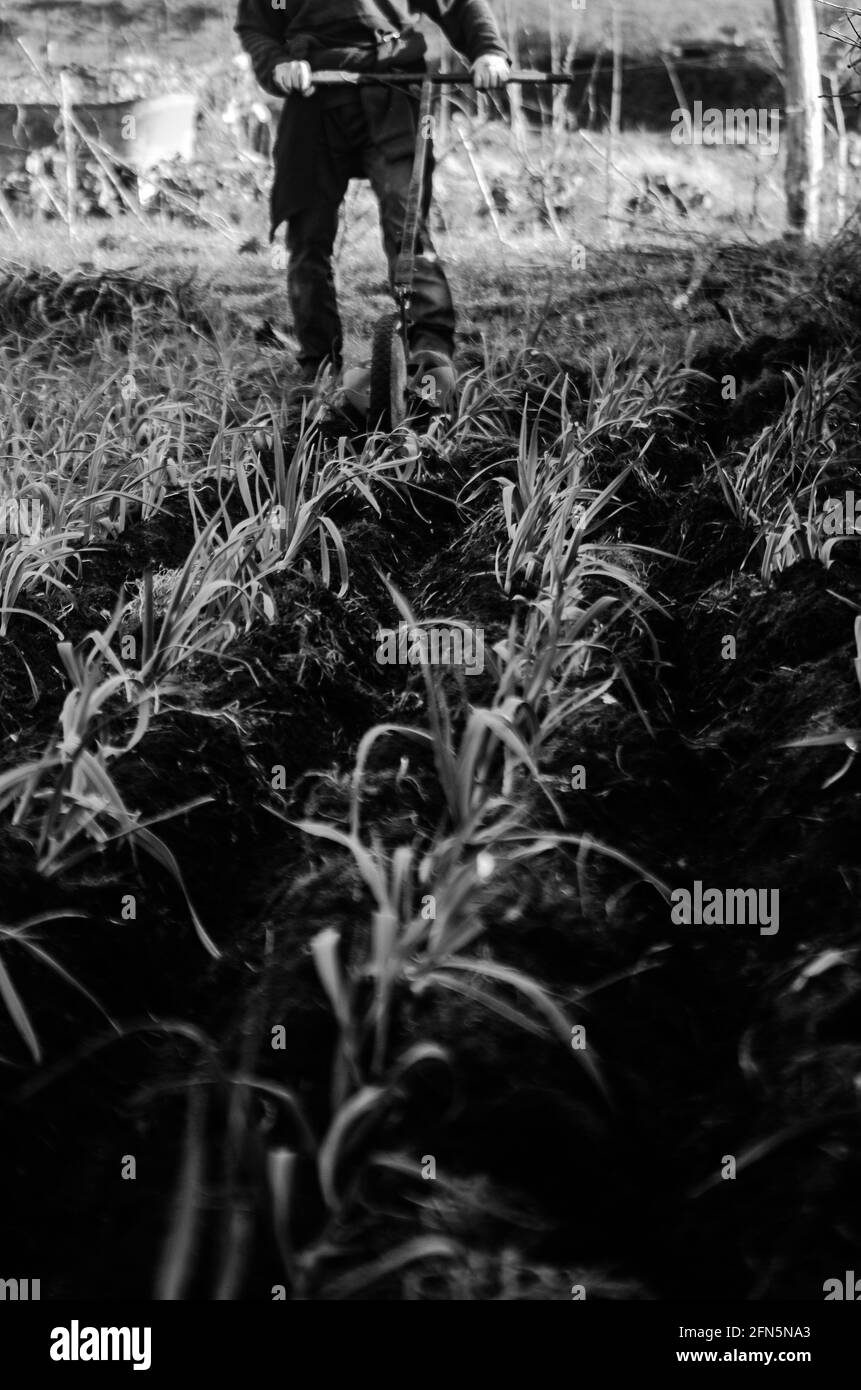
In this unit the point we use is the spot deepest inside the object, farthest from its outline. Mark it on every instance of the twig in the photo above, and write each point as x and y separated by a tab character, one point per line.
842	148
615	109
515	96
444	95
92	145
6	214
673	74
69	147
49	194
482	186
592	87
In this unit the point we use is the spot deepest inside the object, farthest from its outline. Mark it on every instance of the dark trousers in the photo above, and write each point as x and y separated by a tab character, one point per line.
349	149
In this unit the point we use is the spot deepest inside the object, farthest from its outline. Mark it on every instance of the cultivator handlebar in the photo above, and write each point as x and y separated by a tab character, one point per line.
328	78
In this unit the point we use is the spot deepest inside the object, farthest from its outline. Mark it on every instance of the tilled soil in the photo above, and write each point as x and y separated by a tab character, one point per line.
712	1041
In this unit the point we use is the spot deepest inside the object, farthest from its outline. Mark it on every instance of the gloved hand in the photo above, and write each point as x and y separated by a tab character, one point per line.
490	70
294	77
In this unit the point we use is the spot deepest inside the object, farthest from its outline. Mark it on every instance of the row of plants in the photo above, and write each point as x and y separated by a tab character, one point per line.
431	899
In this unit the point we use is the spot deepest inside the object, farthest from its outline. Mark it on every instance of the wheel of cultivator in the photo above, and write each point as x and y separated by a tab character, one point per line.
388	389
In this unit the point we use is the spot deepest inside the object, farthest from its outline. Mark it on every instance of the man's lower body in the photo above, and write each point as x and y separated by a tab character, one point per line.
352	144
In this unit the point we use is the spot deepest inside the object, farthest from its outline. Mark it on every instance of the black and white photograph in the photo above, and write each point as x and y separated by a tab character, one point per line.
430	671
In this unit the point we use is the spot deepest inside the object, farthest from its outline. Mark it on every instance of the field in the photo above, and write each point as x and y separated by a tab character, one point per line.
328	978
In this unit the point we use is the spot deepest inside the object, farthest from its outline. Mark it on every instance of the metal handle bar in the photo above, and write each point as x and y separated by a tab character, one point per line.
326	78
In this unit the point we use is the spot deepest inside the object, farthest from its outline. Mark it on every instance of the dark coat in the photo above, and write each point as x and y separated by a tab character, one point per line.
356	36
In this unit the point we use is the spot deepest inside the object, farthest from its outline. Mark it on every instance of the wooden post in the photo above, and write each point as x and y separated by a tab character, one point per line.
805	121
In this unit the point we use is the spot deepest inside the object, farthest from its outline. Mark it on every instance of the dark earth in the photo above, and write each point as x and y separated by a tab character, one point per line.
709	1040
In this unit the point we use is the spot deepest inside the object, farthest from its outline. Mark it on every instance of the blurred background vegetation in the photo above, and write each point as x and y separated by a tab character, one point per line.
107	32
